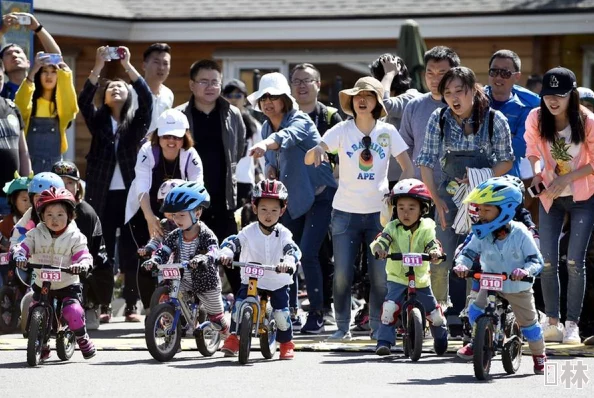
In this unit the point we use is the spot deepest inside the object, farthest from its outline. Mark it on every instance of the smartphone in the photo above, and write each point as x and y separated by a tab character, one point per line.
114	53
53	59
536	190
24	19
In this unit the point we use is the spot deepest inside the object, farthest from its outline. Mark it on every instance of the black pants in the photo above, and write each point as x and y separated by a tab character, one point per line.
244	193
222	223
98	286
326	253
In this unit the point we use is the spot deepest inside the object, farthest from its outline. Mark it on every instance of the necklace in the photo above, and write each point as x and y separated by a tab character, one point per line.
166	174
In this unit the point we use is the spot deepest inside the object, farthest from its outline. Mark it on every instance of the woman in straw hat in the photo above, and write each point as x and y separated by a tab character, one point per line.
287	135
364	145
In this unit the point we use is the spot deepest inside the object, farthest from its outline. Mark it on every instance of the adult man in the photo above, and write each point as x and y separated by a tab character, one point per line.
305	87
438	61
219	138
156	66
14	58
14	154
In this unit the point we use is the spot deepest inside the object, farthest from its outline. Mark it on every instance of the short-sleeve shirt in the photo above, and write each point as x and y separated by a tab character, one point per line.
11	125
363	181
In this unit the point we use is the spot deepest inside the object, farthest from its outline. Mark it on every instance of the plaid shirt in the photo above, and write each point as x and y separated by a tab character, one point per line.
498	149
102	157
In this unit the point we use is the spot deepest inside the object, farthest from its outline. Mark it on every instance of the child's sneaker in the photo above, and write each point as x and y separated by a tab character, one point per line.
46	352
572	333
382	348
539	363
220	324
86	346
466	352
314	323
287	350
231	346
553	333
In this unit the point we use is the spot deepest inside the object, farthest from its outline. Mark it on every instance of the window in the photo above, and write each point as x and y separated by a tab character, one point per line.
588	67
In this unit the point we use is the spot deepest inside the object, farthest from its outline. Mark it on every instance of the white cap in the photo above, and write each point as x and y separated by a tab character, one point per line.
172	122
274	84
586	93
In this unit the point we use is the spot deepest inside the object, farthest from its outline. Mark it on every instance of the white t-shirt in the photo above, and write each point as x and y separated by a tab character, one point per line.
573	151
363	182
161	103
245	170
117	181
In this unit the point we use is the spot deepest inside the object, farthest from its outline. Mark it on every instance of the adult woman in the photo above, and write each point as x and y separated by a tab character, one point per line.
464	135
116	131
47	101
287	135
168	154
364	145
560	136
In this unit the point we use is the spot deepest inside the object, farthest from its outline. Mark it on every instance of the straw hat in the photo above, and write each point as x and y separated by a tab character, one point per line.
363	84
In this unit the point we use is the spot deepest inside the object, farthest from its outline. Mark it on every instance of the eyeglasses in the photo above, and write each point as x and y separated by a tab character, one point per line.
269	97
206	83
504	73
172	137
234	96
366	154
298	82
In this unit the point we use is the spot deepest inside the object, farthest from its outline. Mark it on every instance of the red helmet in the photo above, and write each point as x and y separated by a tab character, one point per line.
272	189
412	188
53	195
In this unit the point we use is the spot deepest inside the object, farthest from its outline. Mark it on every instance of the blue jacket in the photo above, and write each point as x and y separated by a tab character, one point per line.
519	251
516	110
297	134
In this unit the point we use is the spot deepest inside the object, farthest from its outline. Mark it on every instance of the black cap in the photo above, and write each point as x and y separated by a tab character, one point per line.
235	84
558	81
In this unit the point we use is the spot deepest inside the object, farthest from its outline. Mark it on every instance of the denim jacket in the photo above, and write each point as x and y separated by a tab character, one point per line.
297	134
519	251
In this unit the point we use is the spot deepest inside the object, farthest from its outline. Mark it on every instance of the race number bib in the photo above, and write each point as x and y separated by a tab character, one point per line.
171	273
492	282
50	275
3	258
412	260
254	272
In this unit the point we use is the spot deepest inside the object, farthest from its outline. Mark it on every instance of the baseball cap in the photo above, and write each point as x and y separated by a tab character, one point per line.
558	81
586	94
172	122
235	84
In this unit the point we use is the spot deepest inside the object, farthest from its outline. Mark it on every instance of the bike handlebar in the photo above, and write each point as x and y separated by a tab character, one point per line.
182	265
43	266
477	275
424	256
274	268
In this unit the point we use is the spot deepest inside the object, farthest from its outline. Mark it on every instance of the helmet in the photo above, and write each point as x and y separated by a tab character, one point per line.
18	184
513	180
44	181
586	94
55	195
168	186
271	189
186	197
498	192
412	188
66	169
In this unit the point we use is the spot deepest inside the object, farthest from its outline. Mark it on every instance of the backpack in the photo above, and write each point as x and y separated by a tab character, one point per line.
156	155
442	123
326	119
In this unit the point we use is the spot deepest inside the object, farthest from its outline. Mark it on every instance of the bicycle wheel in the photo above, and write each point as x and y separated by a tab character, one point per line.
245	335
268	339
161	339
65	344
483	348
415	334
37	331
207	341
9	309
24	308
159	296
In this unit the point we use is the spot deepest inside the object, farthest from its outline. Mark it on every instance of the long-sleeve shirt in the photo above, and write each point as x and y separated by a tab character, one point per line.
517	250
66	105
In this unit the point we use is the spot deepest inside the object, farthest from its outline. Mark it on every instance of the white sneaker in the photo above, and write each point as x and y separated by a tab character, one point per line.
572	333
92	319
553	333
339	336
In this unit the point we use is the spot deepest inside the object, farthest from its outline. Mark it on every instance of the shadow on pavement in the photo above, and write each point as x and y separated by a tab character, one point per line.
206	363
462	379
24	365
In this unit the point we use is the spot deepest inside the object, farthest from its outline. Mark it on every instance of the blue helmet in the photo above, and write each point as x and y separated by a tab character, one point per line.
500	192
43	181
186	197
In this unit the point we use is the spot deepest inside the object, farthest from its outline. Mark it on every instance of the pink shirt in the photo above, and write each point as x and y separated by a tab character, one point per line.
536	146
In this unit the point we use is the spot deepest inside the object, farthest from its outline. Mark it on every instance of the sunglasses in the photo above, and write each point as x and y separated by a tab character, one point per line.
269	97
172	137
234	96
366	154
504	73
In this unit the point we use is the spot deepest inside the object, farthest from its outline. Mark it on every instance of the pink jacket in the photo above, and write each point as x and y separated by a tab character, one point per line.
582	188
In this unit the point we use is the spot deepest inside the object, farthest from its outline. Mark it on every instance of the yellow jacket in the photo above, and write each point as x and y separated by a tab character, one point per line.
66	104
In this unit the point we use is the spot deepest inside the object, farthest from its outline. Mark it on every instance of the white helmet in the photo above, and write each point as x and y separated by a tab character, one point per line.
168	186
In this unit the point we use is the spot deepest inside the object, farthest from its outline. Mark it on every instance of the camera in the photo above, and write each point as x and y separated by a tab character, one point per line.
53	59
24	19
114	53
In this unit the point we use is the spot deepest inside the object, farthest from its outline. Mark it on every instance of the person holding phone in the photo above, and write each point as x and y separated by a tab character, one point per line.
47	101
560	136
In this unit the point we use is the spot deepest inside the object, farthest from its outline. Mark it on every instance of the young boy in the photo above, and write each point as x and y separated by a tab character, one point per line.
265	242
410	232
496	233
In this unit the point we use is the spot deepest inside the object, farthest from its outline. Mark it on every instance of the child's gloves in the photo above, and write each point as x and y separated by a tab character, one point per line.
461	270
519	273
79	268
149	264
200	262
21	262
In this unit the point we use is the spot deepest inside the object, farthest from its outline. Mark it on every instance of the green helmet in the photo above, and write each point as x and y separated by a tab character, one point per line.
18	184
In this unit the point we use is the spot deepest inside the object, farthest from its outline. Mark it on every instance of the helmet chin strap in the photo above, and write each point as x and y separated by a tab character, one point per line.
270	229
194	221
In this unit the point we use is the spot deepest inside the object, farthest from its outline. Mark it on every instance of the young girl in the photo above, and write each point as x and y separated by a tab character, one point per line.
265	242
57	234
411	231
47	101
193	241
494	234
560	136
